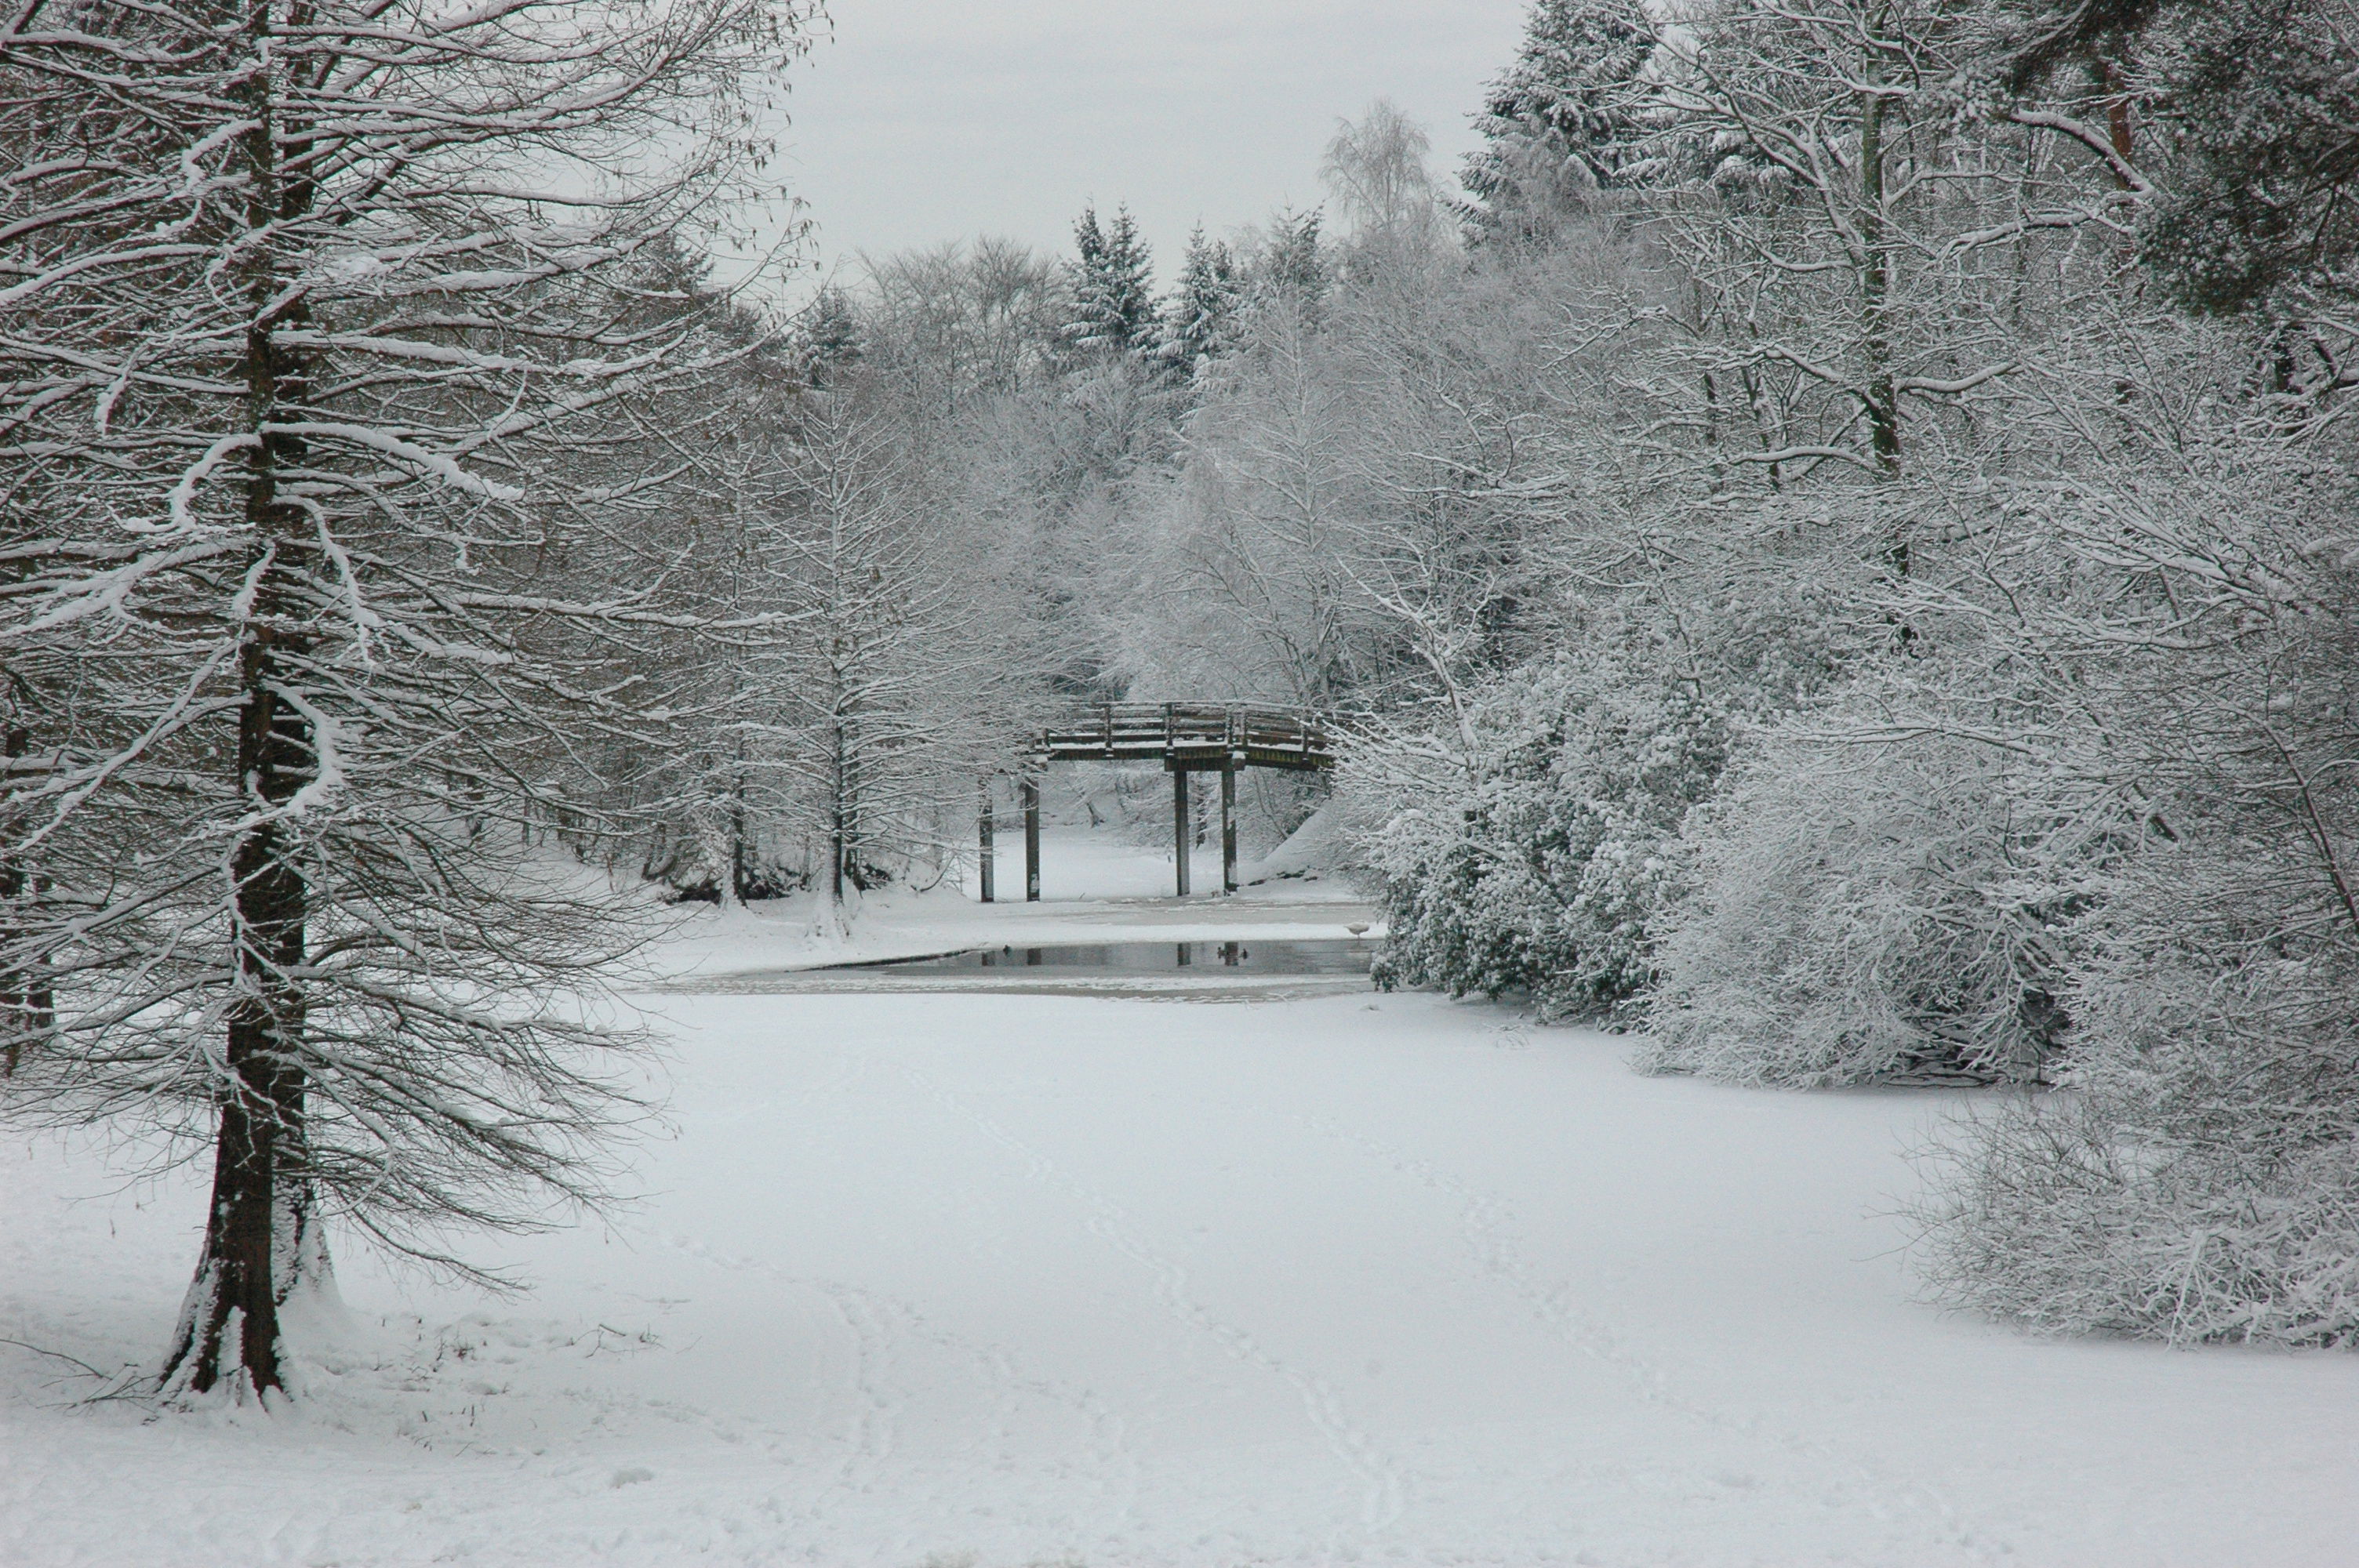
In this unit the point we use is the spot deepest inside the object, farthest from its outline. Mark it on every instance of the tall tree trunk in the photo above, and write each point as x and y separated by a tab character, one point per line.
2115	86
1876	285
259	1235
255	1231
839	819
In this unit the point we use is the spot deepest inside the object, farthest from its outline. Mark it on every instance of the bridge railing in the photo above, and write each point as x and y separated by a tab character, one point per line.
1120	730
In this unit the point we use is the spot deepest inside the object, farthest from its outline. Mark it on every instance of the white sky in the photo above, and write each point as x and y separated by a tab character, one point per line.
929	120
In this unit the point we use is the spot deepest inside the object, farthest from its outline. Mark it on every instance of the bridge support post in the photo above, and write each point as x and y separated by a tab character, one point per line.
1031	840
1179	825
1229	827
987	866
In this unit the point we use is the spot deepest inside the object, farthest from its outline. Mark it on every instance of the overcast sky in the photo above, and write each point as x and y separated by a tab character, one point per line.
929	120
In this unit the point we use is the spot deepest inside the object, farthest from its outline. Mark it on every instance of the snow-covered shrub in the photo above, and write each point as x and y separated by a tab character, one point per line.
2198	1179
1868	900
2197	1176
1530	850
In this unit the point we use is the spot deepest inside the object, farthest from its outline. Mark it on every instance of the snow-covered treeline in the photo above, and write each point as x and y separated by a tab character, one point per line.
1837	547
1924	507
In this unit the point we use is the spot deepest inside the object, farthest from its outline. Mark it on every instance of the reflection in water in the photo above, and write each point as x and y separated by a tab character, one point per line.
1308	957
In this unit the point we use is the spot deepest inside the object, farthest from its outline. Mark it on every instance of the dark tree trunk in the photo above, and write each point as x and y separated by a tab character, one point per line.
259	1234
1880	400
255	1230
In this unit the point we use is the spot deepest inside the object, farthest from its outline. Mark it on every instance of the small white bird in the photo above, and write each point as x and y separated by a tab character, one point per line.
1357	930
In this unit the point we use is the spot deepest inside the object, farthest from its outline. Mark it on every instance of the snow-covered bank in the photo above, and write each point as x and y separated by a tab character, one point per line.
1357	1279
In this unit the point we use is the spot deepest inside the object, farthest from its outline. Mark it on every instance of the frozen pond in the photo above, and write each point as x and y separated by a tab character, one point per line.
1230	969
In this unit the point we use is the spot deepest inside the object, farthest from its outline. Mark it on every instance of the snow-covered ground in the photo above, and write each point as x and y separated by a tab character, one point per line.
1010	1280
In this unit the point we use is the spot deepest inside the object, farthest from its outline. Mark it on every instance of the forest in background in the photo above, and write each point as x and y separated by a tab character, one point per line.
1833	539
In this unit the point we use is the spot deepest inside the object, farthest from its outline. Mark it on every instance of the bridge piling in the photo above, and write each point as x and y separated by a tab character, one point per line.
1179	825
1031	840
1229	825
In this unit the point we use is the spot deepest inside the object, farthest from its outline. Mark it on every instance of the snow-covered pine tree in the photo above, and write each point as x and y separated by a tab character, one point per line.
832	336
1113	287
1556	124
332	328
1292	265
1200	319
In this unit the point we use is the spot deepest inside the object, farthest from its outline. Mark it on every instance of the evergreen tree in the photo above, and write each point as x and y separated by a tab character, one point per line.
1292	267
2258	209
1555	123
1198	318
1114	301
830	336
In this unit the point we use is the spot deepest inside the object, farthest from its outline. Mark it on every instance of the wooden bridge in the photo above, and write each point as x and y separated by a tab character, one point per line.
1186	738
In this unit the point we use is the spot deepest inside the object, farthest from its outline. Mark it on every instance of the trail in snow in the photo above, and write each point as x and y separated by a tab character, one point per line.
1350	1441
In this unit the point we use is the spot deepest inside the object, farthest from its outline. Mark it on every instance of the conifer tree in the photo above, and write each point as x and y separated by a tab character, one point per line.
1554	122
1200	317
323	407
1114	301
830	336
1292	267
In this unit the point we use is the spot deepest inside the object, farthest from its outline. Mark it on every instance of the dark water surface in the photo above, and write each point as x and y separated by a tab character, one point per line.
1323	957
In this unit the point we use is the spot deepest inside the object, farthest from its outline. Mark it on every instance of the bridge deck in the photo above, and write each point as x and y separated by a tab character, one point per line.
1191	737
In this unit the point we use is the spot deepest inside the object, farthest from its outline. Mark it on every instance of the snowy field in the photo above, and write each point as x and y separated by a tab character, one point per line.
1010	1280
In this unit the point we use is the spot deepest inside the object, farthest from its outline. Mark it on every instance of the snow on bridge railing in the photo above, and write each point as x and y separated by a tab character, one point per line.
1189	733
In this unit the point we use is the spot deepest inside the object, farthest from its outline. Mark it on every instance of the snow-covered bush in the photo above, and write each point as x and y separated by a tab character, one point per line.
2197	1176
1865	904
2198	1179
1529	850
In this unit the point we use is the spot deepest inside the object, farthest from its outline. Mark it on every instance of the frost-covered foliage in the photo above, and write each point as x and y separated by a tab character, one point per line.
1531	850
2197	1177
1555	123
1866	906
2199	1180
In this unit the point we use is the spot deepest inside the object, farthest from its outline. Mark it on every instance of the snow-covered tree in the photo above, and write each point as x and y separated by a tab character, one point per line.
953	327
332	331
889	697
1528	845
2196	1178
1292	267
2265	144
1114	288
1375	168
1200	317
1558	124
831	337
